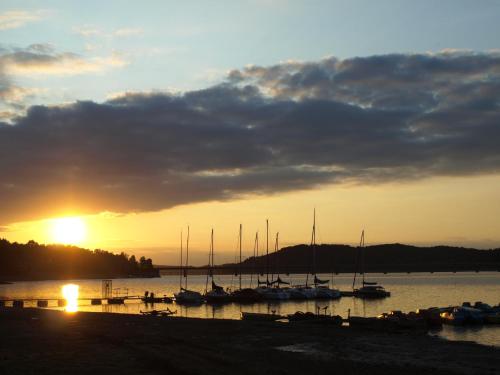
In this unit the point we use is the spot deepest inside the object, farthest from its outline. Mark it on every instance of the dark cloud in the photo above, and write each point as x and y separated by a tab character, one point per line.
264	130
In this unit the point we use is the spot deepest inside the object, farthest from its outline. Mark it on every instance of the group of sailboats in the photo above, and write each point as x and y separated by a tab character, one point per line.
272	288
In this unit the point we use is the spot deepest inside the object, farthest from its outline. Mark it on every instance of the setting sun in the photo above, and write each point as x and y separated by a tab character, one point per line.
69	230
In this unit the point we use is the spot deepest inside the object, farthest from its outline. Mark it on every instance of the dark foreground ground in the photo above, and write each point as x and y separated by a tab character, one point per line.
51	342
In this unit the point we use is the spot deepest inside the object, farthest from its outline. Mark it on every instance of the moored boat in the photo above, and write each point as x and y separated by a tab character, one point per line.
246	295
217	294
272	293
186	296
369	289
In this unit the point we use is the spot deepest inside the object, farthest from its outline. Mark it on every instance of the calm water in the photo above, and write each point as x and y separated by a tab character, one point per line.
409	292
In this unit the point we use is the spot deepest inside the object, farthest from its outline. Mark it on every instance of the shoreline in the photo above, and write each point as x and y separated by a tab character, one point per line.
49	341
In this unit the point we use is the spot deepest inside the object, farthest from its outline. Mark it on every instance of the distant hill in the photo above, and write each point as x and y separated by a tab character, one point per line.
33	261
377	258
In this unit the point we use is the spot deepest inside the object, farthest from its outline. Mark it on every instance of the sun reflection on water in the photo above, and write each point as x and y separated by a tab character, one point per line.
70	294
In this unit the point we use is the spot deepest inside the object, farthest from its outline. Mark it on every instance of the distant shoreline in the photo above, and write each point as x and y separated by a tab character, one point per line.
11	281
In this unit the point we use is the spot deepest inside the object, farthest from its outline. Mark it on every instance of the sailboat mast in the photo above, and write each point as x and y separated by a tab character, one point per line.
187	259
267	251
361	242
276	255
255	255
240	255
181	269
314	242
363	254
209	266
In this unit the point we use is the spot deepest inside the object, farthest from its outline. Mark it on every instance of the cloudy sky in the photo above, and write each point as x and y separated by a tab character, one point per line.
144	118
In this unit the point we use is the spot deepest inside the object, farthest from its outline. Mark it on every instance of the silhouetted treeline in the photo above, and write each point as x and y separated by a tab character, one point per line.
377	258
33	261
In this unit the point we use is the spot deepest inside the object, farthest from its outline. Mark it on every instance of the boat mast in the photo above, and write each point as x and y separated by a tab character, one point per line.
210	260
313	240
212	249
363	254
267	252
361	242
255	255
276	255
240	255
187	259
181	269
313	243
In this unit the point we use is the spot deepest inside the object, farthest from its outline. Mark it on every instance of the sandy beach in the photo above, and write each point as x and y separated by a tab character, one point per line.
54	342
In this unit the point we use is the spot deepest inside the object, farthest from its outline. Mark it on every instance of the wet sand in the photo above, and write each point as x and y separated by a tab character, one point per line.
34	341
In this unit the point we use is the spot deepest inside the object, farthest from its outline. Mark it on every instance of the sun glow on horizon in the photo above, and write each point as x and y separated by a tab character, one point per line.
69	230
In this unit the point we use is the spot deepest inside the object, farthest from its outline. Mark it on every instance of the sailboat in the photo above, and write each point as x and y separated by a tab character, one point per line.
306	291
217	294
321	286
369	289
186	296
265	288
246	295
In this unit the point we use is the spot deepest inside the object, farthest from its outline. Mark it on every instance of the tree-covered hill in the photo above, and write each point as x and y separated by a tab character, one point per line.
33	261
376	258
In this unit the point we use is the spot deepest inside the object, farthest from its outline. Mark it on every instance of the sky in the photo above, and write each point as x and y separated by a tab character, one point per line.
145	118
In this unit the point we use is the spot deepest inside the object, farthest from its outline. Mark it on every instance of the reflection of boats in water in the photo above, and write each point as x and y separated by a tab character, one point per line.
217	294
369	289
186	296
262	317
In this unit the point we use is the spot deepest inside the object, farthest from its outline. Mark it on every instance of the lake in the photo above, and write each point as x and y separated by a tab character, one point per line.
408	292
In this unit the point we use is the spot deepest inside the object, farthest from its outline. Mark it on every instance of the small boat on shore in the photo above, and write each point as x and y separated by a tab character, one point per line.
431	317
166	312
492	318
461	315
310	317
261	317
